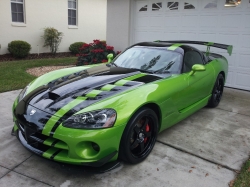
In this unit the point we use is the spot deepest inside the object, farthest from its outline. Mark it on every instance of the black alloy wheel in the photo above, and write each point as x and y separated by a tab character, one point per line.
139	136
217	92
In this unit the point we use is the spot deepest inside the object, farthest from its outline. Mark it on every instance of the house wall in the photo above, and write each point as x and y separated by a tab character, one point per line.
53	13
118	24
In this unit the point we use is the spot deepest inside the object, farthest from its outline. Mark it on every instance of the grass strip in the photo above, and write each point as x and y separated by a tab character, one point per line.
13	74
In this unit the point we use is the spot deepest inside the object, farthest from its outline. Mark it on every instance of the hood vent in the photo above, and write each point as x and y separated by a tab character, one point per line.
53	96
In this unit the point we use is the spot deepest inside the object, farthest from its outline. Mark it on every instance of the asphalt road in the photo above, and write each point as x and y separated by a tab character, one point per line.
205	149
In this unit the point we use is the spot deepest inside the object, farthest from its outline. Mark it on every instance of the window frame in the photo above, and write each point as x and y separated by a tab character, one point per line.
76	9
24	15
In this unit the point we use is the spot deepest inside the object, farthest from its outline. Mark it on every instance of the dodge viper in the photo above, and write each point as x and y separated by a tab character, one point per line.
95	114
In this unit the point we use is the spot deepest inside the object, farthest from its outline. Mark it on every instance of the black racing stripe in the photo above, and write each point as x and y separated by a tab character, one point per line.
51	134
87	103
54	143
147	78
56	153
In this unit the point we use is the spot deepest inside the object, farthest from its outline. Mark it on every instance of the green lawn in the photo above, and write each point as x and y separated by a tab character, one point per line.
243	179
13	74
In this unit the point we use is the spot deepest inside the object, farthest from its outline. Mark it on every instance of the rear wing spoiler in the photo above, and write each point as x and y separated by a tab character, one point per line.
229	48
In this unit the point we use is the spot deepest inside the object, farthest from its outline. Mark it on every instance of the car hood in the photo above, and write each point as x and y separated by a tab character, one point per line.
72	93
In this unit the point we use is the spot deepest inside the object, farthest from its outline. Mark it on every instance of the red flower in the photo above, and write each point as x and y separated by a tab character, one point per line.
85	63
77	55
94	60
104	61
110	48
97	41
97	50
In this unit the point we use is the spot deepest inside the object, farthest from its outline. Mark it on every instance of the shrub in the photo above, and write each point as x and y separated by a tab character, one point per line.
74	48
19	49
94	53
52	38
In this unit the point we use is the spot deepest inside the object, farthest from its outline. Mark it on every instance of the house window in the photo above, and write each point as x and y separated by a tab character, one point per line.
72	11
173	5
17	10
188	6
156	6
145	8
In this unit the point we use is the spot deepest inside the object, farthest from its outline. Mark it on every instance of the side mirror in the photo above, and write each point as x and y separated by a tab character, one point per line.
197	67
110	57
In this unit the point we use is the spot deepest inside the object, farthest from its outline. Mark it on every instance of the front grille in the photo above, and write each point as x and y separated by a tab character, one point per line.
41	142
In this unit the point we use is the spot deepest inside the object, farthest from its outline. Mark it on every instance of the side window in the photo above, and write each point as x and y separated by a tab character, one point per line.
191	58
72	12
17	11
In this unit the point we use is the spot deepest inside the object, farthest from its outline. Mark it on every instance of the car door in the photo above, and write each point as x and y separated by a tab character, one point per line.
200	83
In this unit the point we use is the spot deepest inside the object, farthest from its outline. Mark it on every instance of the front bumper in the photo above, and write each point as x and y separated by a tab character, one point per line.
75	151
54	156
73	146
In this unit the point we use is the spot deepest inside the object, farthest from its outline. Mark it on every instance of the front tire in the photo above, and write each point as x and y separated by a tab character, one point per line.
217	92
139	136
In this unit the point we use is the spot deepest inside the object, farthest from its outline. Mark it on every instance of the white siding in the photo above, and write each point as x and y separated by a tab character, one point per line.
53	13
118	23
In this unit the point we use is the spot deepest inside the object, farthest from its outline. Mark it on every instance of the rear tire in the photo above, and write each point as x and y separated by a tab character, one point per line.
139	136
217	92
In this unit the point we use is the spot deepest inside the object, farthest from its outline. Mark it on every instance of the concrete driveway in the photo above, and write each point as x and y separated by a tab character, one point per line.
203	150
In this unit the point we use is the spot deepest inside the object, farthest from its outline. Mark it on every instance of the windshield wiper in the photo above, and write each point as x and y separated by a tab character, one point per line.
141	70
166	68
112	63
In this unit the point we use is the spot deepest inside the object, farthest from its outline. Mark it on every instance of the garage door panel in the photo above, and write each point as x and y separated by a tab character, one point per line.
246	20
188	36
245	41
172	21
189	21
207	36
141	36
209	21
174	35
230	78
217	23
242	80
142	22
229	38
156	22
155	35
244	62
232	21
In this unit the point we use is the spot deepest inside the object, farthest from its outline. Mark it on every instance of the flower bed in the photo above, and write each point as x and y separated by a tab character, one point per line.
94	53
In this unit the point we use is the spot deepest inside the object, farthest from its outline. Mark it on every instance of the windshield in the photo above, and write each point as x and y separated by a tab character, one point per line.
150	59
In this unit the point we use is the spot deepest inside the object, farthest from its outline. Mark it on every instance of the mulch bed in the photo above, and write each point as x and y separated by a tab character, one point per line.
8	57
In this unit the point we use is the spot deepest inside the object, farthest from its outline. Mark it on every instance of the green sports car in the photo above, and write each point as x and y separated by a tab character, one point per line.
92	115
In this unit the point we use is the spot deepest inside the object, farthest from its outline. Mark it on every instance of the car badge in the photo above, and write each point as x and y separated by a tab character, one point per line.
32	112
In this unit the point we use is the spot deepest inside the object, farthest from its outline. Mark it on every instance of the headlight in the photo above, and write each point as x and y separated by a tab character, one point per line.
92	120
23	93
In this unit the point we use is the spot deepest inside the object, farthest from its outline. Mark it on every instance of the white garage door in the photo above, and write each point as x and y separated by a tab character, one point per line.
221	21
